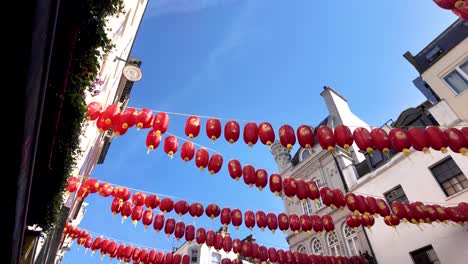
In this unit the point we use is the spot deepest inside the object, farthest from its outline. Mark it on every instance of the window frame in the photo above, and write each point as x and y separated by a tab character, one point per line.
214	258
353	238
318	242
335	246
463	74
385	194
319	205
431	168
424	249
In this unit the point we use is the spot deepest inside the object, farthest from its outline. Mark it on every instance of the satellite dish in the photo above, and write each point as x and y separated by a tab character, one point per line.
132	73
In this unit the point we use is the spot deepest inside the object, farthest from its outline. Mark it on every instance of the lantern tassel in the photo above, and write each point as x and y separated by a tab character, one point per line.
135	222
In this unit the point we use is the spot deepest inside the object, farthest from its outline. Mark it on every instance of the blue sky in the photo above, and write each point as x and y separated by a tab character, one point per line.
259	61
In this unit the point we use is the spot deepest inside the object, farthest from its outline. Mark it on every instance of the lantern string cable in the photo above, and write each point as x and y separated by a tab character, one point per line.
245	120
125	242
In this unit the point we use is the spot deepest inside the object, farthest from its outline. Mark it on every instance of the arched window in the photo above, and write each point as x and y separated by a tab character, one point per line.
317	247
333	244
352	240
301	249
305	153
307	208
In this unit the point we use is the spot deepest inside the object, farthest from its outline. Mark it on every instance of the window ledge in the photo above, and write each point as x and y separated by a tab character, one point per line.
456	195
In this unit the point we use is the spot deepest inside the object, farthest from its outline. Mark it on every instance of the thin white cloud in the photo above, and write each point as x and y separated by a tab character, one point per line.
164	7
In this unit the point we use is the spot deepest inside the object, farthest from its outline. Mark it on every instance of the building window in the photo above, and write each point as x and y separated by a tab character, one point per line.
433	53
307	208
333	244
215	258
319	203
194	255
450	177
317	247
458	78
396	194
352	240
425	255
305	153
301	249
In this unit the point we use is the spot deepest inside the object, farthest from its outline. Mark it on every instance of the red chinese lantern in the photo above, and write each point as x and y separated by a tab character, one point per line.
187	151
314	193
283	222
246	249
147	218
441	212
103	123
105	189
363	139
262	254
272	255
177	259
68	226
213	128
215	163
287	136
82	235
294	223
72	184
122	193
152	201
340	201
276	183
261	179
227	243
116	206
302	191
196	210
249	219
160	257
231	131
272	222
181	207
456	140
281	256
328	224
166	205
289	187
289	257
372	206
127	209
236	218
250	134
189	233
152	256
236	246
136	255
201	236
144	119
212	211
169	258
88	243
179	230
93	110
139	199
103	246
92	185
161	123
144	255
171	145
169	226
128	118
351	202
419	139
192	126
210	238
343	137
202	158
153	140
249	175
362	204
127	253
432	214
305	136
400	211
225	216
261	220
266	133
226	261
325	138
353	221
381	140
110	115
137	214
446	4
112	249
368	221
327	196
400	140
384	210
437	139
317	223
392	220
235	169
306	224
218	245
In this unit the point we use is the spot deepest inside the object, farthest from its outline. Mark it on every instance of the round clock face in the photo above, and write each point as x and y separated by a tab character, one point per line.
132	73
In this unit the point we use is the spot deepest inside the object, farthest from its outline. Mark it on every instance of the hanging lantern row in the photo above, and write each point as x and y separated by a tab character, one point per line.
398	139
458	7
247	249
121	252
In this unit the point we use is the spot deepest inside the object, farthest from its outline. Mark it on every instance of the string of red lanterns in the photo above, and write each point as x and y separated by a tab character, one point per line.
458	7
213	239
418	138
